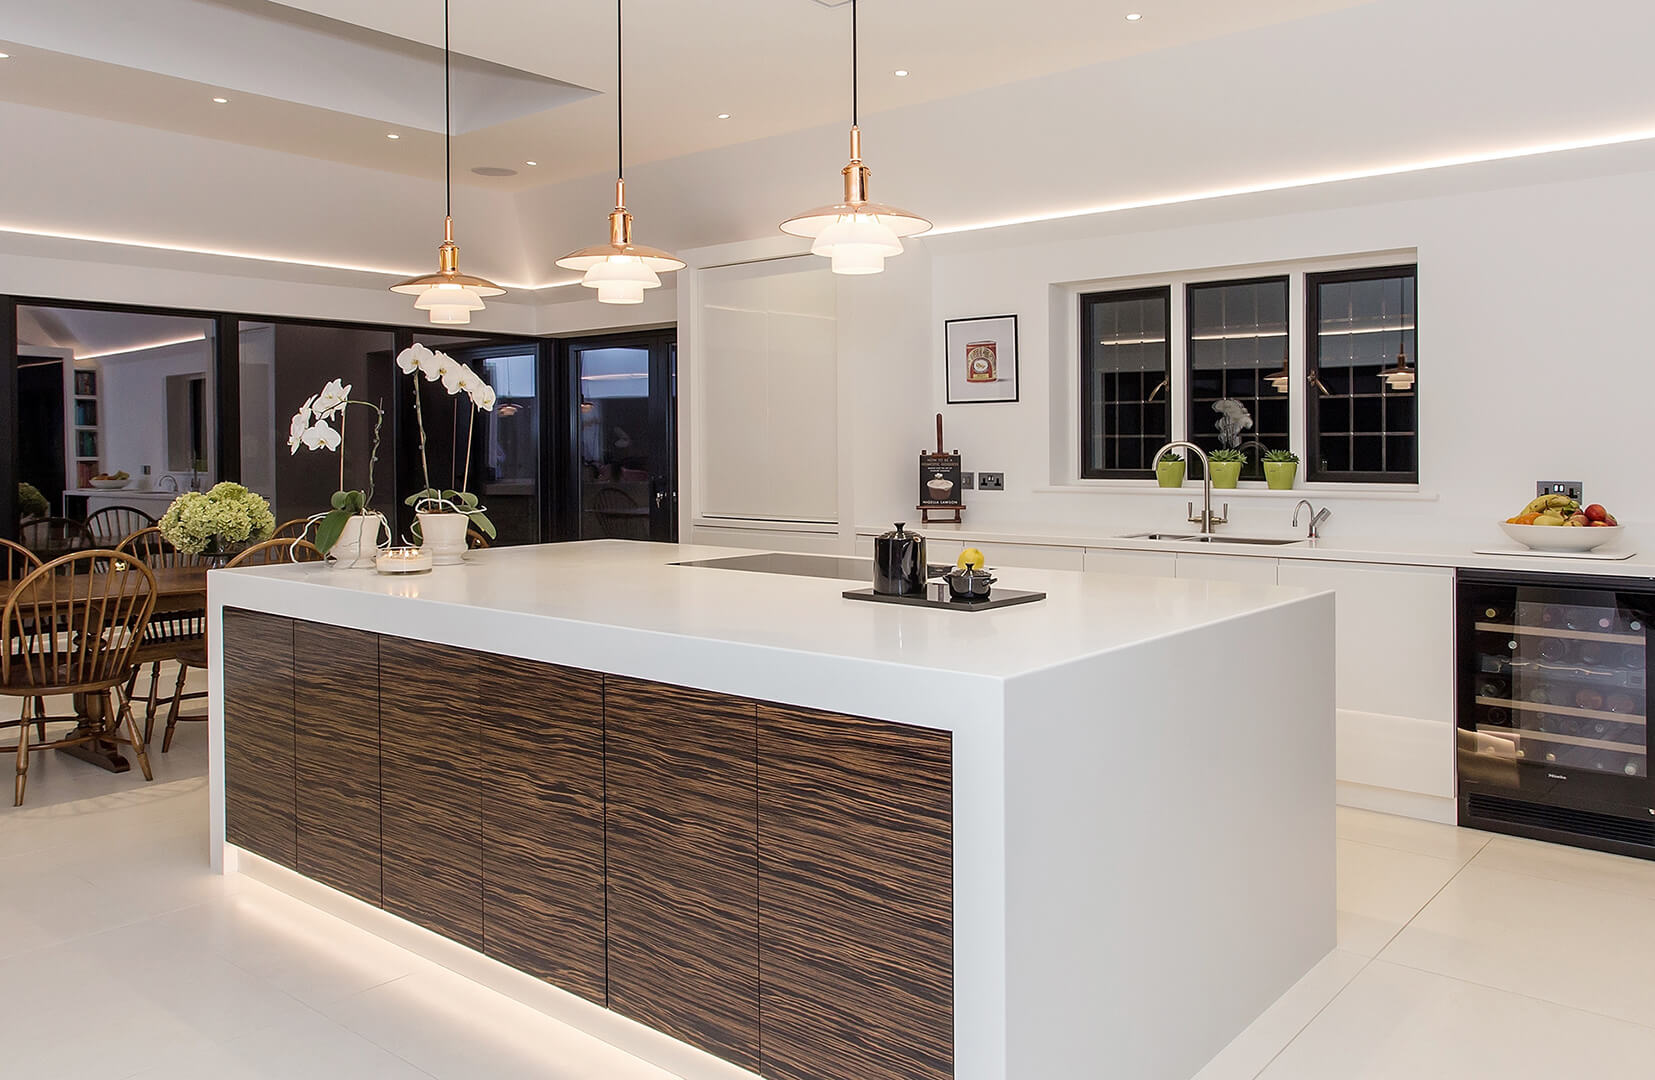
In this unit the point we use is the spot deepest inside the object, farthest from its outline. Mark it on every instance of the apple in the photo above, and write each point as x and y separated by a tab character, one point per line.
1597	513
1601	525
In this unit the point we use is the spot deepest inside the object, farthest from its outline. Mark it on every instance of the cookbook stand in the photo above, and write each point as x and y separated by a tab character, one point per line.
939	485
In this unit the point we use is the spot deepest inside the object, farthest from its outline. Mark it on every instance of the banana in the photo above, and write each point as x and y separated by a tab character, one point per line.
1545	503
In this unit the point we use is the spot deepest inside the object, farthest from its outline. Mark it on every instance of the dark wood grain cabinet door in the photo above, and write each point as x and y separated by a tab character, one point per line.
336	673
543	799
683	864
259	812
431	786
856	898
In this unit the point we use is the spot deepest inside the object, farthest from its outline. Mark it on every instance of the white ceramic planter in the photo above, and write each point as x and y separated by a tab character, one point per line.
359	542
443	535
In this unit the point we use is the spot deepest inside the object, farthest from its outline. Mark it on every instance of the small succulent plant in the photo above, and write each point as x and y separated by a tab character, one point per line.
1282	456
1226	454
1174	456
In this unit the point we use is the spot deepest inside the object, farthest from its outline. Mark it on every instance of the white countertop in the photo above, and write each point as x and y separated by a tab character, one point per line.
1452	551
558	603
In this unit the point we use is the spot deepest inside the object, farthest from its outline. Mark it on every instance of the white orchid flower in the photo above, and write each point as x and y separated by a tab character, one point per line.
332	399
435	365
454	378
296	430
321	436
483	398
412	358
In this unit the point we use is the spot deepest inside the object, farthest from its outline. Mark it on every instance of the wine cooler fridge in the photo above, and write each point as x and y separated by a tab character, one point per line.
1553	688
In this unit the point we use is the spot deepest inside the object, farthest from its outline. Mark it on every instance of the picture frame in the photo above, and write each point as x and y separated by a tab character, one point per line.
980	359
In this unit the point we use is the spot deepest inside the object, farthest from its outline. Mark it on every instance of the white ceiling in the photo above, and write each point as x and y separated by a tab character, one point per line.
90	333
331	78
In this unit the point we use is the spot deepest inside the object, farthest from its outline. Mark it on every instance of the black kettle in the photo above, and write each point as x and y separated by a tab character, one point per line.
899	563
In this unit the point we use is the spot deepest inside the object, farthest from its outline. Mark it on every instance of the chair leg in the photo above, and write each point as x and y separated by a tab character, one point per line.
22	753
154	705
40	717
132	732
172	710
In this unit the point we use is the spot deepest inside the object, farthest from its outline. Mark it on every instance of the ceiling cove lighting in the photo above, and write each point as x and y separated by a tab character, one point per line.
448	295
140	348
619	269
856	234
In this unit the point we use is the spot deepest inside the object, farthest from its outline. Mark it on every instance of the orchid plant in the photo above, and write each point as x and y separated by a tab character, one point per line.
313	428
457	379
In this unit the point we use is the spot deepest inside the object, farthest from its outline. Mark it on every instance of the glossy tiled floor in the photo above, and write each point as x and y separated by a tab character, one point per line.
1460	956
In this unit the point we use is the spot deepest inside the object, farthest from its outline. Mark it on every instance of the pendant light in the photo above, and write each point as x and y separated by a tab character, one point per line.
1282	379
620	270
1400	376
448	295
856	234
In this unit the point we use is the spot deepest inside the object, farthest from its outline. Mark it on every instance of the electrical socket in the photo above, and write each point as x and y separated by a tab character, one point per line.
991	481
968	480
1574	489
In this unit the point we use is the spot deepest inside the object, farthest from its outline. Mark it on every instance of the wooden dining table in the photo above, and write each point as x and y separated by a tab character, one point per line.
177	588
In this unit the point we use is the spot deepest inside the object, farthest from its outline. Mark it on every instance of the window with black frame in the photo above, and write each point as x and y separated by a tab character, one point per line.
1363	375
1238	344
1124	380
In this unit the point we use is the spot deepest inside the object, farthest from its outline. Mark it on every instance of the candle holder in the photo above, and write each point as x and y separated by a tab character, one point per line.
403	560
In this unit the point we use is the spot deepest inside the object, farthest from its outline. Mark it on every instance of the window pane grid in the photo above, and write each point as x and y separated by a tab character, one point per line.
1237	340
1361	426
1124	381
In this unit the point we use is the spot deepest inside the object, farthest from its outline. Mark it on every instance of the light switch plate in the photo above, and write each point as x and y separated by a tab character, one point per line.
991	481
1574	489
968	480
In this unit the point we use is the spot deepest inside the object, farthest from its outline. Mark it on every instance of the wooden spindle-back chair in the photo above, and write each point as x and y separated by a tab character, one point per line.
109	527
170	632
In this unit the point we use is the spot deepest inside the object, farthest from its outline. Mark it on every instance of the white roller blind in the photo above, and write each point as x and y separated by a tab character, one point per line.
768	392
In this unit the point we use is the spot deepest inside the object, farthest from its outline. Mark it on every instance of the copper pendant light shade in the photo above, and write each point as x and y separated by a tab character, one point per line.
620	270
448	295
858	235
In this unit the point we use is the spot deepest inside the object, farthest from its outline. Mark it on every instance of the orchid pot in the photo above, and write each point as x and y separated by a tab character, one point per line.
443	535
360	538
443	515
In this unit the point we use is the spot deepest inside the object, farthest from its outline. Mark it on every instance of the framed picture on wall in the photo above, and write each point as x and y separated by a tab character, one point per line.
981	359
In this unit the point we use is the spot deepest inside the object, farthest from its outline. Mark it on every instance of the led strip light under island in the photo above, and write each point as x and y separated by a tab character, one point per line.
733	821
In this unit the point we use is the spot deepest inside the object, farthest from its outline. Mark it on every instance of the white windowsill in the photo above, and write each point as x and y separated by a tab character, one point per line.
1250	489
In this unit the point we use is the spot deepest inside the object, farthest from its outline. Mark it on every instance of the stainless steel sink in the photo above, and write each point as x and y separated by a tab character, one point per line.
1193	538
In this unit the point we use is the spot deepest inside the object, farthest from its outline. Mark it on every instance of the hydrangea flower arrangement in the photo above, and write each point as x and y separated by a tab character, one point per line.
222	517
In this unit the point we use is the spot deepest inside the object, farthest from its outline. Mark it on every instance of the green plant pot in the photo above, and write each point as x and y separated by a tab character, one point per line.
1226	473
1281	474
1170	473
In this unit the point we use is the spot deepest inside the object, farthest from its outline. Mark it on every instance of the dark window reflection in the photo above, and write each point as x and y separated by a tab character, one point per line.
1238	348
1362	403
1124	380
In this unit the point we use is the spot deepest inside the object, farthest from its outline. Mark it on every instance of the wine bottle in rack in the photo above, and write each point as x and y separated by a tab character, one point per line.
1538	695
1494	688
1495	716
1553	649
1620	703
1551	615
1577	619
1592	653
1497	613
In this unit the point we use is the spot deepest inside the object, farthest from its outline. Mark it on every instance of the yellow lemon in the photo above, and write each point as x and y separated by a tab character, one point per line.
971	558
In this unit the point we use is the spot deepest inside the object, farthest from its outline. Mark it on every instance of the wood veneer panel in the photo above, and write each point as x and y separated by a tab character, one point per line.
855	898
683	864
431	787
258	735
336	674
543	806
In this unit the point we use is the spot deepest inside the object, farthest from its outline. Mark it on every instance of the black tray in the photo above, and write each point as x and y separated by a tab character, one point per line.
997	599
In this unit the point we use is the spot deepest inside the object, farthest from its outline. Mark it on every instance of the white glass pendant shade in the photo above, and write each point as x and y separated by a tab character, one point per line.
621	270
856	234
456	296
448	295
621	279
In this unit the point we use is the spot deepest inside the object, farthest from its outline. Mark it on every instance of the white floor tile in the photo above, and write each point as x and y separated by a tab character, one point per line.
1394	1023
1253	1049
1593	869
1410	834
1380	889
1581	947
309	1047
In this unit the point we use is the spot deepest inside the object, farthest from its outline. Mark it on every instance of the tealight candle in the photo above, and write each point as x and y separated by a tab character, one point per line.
403	560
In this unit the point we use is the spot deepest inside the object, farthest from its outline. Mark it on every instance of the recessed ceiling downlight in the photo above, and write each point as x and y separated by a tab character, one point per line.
392	135
723	116
1134	16
5	56
901	73
493	170
221	101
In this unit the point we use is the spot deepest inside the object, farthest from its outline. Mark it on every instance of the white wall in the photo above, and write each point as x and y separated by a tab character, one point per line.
134	405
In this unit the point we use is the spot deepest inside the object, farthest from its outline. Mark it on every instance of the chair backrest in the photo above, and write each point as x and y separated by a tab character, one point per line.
51	537
291	530
113	524
149	547
74	628
475	538
16	560
271	552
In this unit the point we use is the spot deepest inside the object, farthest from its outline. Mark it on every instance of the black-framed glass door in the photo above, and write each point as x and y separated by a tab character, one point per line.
622	468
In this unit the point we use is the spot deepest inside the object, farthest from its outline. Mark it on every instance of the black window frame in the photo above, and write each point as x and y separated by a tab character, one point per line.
1312	359
1253	470
1151	292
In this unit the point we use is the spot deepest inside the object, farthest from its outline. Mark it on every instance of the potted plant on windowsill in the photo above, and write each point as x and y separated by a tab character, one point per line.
1169	471
217	523
444	514
1226	466
349	532
1281	468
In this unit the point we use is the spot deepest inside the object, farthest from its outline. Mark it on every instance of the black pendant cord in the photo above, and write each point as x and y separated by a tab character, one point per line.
447	123
620	103
855	87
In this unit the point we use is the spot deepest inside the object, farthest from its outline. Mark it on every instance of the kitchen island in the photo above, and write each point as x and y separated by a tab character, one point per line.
813	838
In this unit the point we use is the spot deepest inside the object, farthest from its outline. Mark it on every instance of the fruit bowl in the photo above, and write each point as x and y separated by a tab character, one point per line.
1562	537
109	484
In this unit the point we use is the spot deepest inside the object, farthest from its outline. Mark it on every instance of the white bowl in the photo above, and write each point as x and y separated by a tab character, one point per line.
1561	537
110	485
